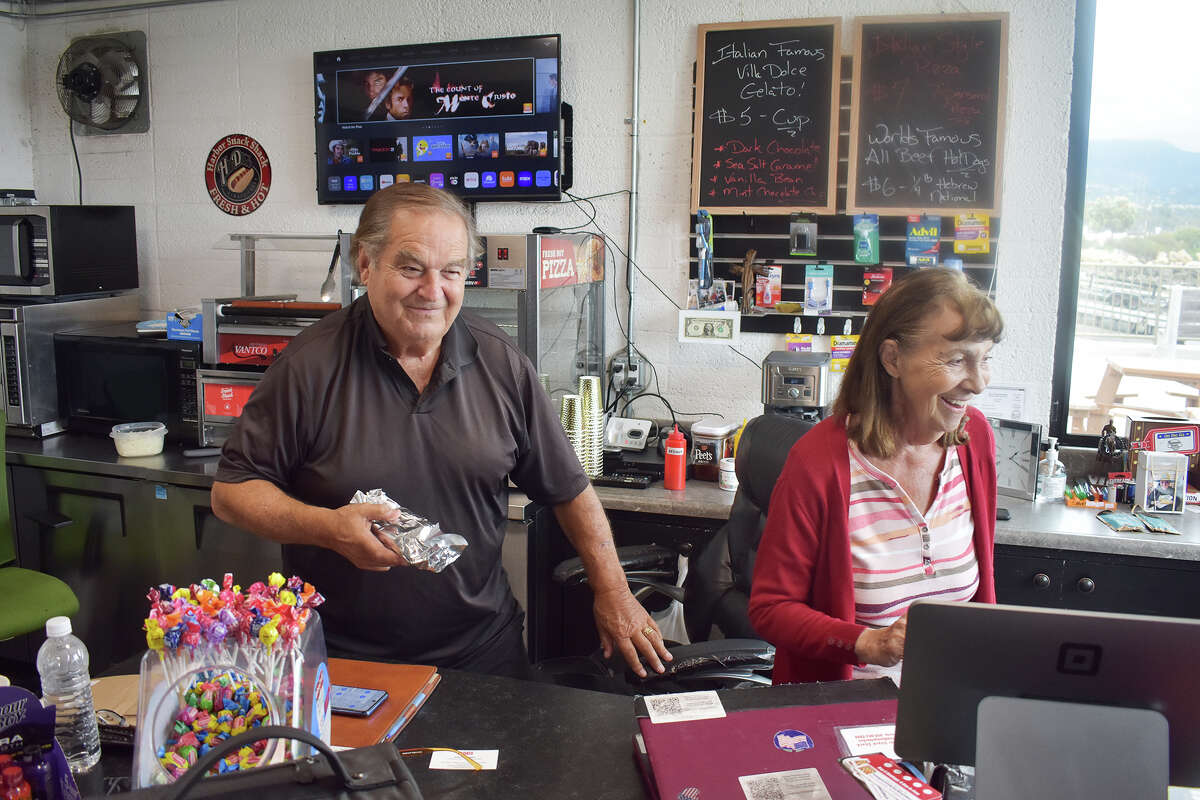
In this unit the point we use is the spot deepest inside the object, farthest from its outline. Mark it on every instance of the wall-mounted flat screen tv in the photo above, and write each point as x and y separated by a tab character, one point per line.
478	118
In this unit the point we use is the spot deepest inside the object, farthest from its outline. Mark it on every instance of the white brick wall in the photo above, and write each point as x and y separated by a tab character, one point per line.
16	143
245	67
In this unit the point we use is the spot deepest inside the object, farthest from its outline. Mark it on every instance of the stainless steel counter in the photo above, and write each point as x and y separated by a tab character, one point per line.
1061	527
97	455
1048	525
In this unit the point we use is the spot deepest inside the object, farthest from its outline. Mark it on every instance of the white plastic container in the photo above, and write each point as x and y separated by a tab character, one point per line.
134	439
728	477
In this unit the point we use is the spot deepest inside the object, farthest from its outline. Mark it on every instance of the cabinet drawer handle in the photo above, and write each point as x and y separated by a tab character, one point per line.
1086	585
1041	580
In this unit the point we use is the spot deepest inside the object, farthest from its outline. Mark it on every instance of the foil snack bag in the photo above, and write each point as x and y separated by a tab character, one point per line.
421	543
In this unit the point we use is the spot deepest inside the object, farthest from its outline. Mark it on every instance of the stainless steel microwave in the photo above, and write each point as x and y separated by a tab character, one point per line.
63	251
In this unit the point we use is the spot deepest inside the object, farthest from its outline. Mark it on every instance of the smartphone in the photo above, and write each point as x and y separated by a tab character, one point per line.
355	701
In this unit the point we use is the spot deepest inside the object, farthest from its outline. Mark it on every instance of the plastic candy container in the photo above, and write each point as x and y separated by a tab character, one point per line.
223	661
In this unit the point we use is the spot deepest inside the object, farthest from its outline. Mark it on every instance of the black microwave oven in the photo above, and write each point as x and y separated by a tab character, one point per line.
59	251
110	374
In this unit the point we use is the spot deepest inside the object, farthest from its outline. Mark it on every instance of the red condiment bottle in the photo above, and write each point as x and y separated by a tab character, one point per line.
675	466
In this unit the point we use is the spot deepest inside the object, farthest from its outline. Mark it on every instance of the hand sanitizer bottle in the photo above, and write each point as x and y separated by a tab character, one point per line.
1052	476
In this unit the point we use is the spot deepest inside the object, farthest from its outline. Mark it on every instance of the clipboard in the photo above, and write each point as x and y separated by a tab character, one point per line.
408	687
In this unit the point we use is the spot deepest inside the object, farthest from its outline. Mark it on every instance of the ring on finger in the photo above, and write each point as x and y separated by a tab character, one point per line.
648	631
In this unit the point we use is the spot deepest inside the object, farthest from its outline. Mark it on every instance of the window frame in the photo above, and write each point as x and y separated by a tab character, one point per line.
1068	288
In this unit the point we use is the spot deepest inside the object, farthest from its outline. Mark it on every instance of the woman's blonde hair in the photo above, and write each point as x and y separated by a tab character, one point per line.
375	222
902	314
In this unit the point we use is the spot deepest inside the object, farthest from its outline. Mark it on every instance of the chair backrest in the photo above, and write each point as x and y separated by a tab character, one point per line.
718	583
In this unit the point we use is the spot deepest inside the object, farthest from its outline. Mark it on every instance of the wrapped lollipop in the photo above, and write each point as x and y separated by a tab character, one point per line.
420	542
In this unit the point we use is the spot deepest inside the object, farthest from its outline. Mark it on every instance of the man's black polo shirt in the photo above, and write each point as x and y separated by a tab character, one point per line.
336	413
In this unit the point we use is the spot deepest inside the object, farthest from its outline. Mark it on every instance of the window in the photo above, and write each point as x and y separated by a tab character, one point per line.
1129	309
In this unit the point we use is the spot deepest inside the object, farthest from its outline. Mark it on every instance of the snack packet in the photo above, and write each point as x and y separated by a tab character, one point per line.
421	542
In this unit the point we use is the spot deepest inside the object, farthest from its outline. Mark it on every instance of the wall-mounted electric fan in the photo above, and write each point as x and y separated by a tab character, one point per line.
103	84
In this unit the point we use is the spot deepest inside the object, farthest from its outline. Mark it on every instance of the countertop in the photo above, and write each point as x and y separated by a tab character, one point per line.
1047	525
1061	527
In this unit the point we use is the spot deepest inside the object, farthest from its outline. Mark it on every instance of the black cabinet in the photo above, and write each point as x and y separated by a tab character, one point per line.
1097	581
112	538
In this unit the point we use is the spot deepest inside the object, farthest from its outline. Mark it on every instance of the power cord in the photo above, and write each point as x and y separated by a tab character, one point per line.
78	171
609	243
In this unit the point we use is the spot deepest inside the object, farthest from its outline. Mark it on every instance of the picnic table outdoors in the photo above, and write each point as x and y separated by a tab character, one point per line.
1182	378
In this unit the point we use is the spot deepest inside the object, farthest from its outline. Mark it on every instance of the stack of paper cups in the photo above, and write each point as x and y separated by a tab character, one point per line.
572	419
591	441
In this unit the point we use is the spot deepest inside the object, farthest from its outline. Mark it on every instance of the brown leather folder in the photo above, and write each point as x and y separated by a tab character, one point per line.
407	685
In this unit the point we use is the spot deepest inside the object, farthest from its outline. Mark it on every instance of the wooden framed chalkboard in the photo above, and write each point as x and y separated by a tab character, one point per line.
765	138
927	114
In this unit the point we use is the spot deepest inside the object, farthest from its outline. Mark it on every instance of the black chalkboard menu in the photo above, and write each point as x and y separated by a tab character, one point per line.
927	116
765	136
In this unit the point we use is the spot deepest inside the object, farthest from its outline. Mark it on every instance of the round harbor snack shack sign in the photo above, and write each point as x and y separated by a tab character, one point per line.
237	173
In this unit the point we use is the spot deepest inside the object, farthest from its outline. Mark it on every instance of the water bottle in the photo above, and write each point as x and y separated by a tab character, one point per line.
62	663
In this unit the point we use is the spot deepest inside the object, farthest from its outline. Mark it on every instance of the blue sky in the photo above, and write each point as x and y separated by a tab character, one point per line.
1145	82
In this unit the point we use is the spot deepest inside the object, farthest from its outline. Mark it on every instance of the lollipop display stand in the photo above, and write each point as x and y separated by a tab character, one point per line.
196	693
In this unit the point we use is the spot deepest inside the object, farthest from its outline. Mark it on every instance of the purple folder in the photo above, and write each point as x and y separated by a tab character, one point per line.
703	758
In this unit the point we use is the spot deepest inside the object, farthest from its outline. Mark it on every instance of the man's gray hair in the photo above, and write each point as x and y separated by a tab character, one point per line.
376	219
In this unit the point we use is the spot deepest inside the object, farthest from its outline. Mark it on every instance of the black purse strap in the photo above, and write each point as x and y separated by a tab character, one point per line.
197	771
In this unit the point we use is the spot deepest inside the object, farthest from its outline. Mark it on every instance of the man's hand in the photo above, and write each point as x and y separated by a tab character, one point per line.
882	646
624	624
353	538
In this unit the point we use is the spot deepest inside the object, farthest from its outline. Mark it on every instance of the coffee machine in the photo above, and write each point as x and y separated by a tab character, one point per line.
798	384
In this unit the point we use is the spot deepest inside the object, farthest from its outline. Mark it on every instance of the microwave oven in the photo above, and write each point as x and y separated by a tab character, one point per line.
110	374
59	251
27	343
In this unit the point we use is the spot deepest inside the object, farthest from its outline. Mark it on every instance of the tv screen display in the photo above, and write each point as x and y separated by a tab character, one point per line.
477	118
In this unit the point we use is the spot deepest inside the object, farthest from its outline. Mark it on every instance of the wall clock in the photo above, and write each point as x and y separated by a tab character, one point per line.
1017	449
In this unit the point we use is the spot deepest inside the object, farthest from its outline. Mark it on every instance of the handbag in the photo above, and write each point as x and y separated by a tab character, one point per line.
367	773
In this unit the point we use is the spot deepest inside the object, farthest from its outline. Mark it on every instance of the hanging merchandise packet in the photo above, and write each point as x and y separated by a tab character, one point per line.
818	289
921	248
972	234
866	238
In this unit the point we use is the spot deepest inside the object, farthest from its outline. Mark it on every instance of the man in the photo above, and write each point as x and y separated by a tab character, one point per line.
400	99
337	152
439	409
374	81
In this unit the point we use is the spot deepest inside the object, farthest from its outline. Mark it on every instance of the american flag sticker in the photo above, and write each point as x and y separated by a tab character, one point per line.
790	741
690	793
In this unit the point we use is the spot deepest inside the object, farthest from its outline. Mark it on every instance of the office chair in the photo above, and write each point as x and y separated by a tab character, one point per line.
716	592
31	597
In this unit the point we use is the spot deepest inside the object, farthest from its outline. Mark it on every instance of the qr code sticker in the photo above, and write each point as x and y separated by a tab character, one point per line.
795	784
669	705
763	787
684	706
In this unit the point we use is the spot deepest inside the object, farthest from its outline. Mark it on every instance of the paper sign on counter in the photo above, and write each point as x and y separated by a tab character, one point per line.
683	706
794	784
861	739
445	759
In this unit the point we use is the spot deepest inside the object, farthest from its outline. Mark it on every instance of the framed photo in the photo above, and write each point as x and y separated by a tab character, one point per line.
709	327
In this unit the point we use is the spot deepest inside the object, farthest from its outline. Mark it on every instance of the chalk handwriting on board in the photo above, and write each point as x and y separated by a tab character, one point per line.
928	105
763	120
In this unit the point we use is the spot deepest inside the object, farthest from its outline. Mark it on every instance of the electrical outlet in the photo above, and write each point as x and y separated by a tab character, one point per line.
627	374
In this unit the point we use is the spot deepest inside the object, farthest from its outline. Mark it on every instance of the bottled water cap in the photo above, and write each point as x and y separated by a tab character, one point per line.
58	626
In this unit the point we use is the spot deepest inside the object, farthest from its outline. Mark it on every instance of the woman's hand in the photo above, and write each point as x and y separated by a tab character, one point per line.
882	646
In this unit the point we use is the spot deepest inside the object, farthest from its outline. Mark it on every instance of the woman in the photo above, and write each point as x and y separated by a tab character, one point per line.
893	497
